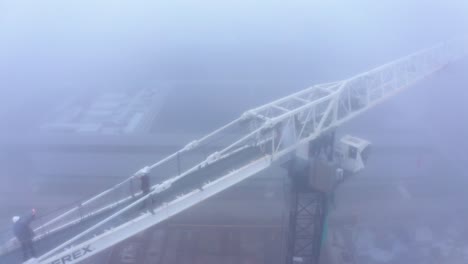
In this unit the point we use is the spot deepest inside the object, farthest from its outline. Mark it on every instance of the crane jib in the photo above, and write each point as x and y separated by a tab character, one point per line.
234	152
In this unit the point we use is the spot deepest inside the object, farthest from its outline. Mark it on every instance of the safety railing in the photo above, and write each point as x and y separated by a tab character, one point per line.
128	191
229	140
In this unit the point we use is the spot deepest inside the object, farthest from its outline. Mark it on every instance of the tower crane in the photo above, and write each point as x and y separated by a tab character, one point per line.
296	131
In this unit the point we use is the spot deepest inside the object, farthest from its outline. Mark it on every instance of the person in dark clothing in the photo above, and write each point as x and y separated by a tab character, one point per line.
145	185
24	234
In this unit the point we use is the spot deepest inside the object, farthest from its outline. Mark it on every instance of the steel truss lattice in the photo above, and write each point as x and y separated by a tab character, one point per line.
306	222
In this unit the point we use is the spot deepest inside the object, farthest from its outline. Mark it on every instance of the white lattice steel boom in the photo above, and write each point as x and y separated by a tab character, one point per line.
237	151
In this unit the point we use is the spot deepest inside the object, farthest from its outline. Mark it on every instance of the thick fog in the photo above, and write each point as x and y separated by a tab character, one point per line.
49	48
214	60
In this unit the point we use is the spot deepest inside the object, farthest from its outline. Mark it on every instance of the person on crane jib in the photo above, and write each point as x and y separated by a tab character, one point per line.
143	176
24	234
145	187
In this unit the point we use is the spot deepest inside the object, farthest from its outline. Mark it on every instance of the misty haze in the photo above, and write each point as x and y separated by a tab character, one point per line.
276	132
